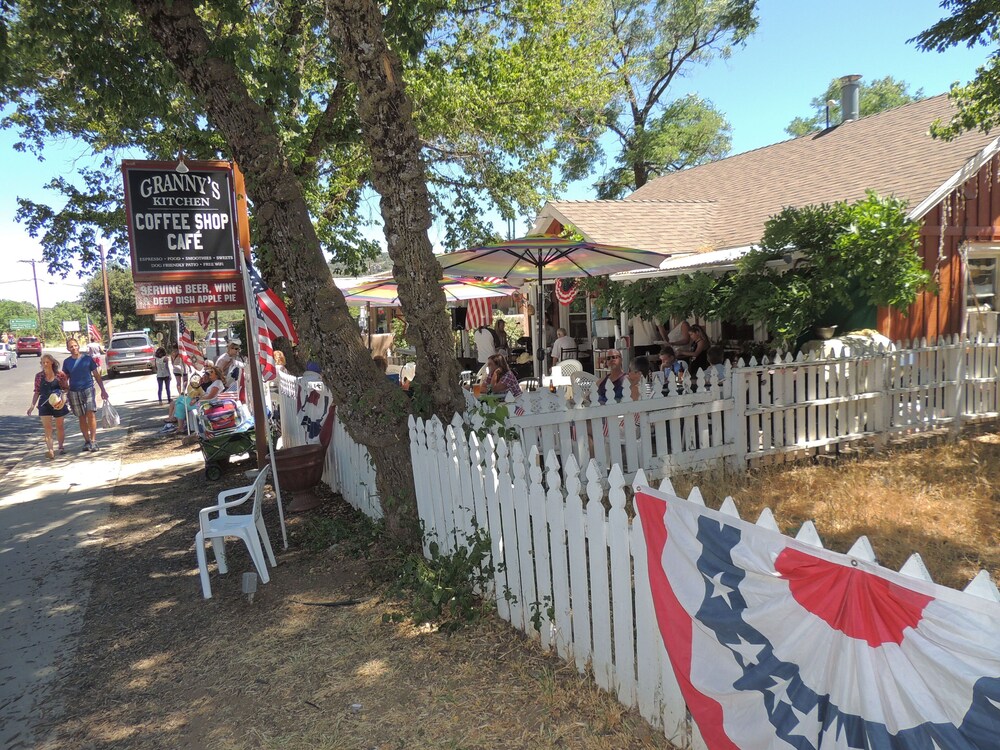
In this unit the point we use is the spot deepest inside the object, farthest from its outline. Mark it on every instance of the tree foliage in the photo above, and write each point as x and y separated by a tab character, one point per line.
121	295
654	43
877	96
869	245
90	72
972	23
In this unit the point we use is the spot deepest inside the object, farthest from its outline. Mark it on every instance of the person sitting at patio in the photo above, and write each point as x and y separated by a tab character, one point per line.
500	378
696	353
638	374
716	363
673	369
561	344
615	378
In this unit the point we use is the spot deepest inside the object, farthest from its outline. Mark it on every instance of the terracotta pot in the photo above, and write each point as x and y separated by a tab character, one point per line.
301	467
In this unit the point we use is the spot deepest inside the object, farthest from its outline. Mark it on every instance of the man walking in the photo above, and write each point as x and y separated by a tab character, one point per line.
82	371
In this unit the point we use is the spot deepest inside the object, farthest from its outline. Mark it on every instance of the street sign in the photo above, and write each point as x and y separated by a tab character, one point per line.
20	324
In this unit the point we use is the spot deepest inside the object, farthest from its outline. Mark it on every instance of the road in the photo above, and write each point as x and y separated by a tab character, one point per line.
52	521
20	433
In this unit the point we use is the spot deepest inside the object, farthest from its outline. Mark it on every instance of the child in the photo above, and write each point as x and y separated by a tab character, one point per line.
163	375
716	368
182	403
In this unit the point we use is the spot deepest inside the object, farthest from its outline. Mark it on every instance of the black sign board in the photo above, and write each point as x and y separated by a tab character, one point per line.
181	222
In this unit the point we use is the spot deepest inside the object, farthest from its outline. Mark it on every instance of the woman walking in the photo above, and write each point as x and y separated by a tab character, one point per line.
51	385
162	374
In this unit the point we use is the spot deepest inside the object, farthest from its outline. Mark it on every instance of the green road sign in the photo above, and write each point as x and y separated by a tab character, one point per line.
18	324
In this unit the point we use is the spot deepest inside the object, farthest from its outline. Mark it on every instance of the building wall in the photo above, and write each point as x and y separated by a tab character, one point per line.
970	213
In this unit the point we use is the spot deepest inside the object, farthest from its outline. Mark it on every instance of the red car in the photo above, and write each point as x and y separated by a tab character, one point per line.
29	345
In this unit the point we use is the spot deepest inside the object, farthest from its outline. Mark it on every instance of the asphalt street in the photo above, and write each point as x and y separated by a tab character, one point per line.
52	514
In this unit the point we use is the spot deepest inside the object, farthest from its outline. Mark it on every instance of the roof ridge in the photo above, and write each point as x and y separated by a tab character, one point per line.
618	201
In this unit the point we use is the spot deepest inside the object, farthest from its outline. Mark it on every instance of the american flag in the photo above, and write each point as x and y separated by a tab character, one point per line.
93	333
188	349
480	313
273	322
204	318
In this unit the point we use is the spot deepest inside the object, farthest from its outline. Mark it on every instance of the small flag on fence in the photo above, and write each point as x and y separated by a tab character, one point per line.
776	643
479	313
190	353
273	322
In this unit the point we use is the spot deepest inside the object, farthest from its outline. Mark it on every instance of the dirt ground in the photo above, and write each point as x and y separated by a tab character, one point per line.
160	667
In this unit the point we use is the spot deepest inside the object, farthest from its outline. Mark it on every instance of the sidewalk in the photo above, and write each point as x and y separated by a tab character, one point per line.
51	528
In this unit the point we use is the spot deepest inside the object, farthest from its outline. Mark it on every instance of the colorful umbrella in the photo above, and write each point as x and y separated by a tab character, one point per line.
384	291
546	257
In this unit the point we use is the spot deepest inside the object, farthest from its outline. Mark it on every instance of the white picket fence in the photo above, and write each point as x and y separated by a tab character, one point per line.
569	557
769	411
571	567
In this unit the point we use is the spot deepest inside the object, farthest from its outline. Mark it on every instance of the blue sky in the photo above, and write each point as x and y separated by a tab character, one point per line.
800	46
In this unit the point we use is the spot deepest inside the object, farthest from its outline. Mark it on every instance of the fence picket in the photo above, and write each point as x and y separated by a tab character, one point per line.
600	593
576	529
622	588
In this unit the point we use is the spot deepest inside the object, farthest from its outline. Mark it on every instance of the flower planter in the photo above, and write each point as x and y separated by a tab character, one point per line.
299	470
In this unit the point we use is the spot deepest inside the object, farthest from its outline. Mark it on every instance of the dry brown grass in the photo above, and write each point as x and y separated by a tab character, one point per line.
940	501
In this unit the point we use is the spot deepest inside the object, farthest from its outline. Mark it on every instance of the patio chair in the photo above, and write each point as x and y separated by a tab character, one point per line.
529	384
568	367
249	527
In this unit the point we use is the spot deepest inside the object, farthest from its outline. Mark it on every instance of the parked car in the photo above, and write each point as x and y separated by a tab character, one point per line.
8	356
130	350
29	345
217	340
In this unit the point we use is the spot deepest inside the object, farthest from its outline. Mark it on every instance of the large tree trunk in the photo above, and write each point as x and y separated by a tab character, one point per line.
375	412
398	173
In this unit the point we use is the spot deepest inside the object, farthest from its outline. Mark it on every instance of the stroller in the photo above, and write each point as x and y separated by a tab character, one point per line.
225	429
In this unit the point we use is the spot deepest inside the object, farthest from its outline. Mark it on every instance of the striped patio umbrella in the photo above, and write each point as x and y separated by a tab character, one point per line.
384	292
546	257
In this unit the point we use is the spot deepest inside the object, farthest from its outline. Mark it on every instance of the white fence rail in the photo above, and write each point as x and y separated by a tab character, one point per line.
770	411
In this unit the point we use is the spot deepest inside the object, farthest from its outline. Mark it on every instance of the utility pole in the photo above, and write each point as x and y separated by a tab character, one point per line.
38	304
107	295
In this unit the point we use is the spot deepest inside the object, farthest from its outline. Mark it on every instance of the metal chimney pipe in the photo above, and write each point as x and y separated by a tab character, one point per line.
850	98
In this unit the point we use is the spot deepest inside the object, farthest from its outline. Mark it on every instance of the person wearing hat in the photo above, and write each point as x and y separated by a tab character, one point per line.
228	362
51	385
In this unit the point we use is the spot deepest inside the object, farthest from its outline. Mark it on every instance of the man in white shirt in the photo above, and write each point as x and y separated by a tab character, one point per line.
561	344
485	344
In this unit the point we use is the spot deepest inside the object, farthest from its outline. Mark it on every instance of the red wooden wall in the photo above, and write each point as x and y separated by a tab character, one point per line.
970	213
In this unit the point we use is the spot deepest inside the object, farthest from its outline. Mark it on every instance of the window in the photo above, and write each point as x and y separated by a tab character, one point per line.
981	292
578	317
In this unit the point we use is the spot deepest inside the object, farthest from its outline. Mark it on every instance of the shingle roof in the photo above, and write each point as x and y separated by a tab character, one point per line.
663	226
890	152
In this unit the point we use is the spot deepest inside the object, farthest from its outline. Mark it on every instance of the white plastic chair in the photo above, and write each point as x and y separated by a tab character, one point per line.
569	366
249	527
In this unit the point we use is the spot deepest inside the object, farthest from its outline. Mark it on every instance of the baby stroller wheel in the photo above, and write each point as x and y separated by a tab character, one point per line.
213	472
